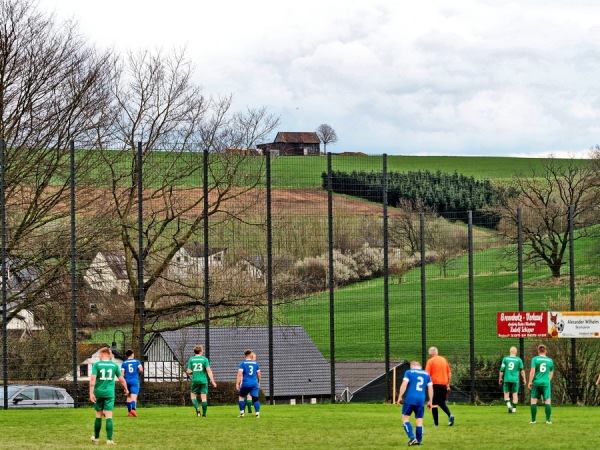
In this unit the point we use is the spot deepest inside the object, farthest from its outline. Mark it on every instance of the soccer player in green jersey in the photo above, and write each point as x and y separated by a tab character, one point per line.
510	369
199	368
540	377
102	392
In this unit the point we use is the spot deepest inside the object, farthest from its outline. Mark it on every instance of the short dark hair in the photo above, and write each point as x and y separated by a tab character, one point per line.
198	349
542	348
248	352
129	352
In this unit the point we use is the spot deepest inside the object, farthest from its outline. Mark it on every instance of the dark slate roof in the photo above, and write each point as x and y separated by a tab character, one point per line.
355	375
196	250
299	367
117	263
304	137
21	276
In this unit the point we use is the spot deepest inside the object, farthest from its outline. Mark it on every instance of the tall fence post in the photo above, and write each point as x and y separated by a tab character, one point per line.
205	182
423	291
331	276
520	272
4	274
270	280
471	309
74	352
140	259
574	390
386	302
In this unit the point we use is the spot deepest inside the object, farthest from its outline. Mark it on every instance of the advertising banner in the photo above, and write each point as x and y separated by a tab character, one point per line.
522	324
574	324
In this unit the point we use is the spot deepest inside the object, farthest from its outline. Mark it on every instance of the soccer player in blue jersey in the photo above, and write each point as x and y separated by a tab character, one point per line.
248	382
132	369
417	386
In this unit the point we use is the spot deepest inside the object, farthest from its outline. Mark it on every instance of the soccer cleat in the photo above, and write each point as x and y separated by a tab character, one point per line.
510	410
451	420
548	422
129	414
198	413
109	442
133	413
514	410
241	416
257	415
95	440
413	442
532	422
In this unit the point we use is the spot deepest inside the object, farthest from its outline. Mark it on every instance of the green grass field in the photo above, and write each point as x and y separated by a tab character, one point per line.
343	426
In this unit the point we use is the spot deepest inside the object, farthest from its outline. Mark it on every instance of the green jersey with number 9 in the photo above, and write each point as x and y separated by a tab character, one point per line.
106	371
543	367
511	367
198	364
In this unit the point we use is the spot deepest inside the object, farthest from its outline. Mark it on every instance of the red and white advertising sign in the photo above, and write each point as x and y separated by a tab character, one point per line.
522	324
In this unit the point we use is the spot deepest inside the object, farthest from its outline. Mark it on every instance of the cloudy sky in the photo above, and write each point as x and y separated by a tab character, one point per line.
439	77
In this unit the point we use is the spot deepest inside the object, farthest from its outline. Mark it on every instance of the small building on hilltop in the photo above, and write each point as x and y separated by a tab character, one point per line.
288	143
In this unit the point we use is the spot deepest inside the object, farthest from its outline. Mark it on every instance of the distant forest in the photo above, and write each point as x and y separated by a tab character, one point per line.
442	192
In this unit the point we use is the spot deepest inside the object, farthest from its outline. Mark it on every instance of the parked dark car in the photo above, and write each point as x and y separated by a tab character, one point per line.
34	396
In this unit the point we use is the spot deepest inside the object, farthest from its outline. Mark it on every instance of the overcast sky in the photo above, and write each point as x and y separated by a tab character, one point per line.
446	77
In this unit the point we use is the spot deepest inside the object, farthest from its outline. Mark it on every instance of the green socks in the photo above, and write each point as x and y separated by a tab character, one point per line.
548	409
195	403
533	412
109	429
204	408
97	427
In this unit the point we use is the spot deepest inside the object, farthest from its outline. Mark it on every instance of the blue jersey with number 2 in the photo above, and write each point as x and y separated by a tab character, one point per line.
249	370
416	391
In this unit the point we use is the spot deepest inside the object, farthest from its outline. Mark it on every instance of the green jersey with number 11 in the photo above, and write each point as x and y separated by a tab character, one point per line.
543	366
105	371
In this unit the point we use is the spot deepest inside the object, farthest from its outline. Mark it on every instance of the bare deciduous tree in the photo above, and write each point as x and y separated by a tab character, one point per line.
161	107
53	88
327	135
544	197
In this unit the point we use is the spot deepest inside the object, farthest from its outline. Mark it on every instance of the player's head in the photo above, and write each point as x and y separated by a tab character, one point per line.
198	349
542	349
433	351
248	354
105	353
415	365
513	351
129	353
253	356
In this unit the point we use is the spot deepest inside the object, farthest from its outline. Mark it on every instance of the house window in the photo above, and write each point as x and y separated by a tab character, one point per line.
83	370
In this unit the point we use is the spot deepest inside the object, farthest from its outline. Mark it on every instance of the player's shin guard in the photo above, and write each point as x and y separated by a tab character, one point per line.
408	429
533	412
242	405
195	403
204	408
257	406
134	405
97	427
419	434
109	429
249	405
434	413
128	406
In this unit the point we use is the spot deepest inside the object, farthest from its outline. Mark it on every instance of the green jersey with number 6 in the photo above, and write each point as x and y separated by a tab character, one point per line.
511	366
198	364
105	371
543	366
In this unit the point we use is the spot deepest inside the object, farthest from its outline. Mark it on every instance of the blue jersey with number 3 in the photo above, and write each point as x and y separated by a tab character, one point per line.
249	370
416	391
131	371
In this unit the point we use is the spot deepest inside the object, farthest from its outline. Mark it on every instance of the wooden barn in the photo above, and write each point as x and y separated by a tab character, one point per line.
287	143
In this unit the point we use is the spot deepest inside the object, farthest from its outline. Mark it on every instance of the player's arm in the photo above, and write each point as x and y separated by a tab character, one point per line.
500	377
124	384
524	377
141	368
430	394
258	375
92	384
210	376
402	390
531	375
238	380
551	375
449	377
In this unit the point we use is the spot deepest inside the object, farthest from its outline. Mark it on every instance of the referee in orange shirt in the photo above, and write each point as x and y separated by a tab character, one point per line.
439	370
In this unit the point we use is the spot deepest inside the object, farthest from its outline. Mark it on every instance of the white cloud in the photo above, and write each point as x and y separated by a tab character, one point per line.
444	77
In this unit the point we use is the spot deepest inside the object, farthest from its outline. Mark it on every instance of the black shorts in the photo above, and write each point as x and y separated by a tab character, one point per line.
440	392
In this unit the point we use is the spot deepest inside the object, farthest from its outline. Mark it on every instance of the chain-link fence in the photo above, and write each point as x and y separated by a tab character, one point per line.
334	283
